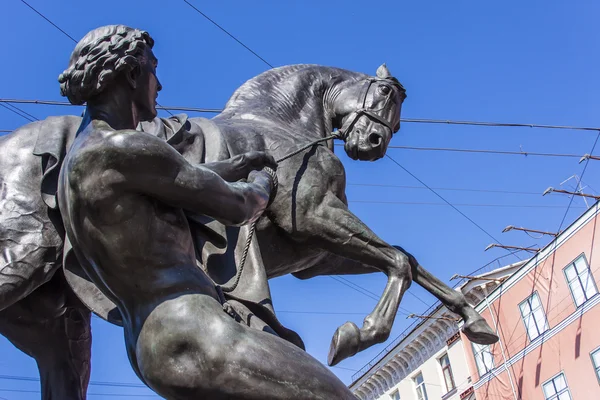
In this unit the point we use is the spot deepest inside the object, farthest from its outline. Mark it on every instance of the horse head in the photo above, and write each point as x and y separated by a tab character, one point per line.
369	114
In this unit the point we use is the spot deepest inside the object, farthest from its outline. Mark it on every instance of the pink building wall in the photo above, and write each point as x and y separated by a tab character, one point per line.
573	332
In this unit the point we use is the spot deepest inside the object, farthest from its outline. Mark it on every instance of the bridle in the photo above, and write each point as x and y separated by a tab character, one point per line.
363	110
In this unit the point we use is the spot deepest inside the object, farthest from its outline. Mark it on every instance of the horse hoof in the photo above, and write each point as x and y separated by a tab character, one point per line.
345	343
478	331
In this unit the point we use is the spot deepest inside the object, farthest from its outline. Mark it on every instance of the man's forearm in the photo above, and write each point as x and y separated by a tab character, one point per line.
230	170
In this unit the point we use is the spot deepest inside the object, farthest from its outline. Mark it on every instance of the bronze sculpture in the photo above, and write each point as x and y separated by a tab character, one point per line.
279	110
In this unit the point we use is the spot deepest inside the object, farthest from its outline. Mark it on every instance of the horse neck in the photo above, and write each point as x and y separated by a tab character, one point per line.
297	97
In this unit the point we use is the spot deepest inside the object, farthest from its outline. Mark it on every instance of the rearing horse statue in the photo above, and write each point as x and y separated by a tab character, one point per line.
307	230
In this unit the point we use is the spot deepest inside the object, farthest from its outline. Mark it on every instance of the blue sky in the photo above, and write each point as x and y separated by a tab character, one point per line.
505	62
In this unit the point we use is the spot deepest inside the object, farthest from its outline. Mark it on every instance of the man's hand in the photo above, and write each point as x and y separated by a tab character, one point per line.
256	160
238	167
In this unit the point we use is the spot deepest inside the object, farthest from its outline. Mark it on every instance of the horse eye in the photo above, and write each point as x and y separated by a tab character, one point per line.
384	90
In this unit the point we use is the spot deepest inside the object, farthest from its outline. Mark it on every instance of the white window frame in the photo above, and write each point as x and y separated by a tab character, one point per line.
596	367
545	326
395	393
555	396
577	280
449	367
478	350
421	385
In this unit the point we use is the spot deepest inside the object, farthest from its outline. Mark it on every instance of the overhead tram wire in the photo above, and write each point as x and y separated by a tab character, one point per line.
447	202
228	33
368	293
441	188
67	35
48	20
485	151
19	112
375	294
89	394
92	383
424	203
404	120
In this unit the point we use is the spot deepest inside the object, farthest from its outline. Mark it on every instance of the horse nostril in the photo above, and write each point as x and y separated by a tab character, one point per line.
375	139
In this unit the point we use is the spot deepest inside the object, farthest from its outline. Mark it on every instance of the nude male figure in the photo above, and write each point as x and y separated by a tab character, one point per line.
122	194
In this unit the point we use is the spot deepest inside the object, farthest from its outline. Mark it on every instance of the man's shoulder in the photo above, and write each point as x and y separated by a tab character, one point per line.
106	146
127	139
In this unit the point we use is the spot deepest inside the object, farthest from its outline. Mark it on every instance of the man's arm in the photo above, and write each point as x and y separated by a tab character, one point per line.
150	166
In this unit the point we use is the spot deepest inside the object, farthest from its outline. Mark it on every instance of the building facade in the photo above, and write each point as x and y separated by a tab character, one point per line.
548	320
428	360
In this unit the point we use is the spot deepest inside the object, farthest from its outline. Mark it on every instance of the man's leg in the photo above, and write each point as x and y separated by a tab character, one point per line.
190	348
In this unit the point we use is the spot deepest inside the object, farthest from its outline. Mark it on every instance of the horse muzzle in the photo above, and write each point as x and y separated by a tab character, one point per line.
365	147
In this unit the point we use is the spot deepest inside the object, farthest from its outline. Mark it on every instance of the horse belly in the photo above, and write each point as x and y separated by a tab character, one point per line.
282	256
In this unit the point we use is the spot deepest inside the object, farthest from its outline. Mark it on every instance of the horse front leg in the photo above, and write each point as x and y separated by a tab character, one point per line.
332	227
475	327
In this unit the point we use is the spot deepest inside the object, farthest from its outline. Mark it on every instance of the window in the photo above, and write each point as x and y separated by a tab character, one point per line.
581	282
533	316
556	388
447	372
596	361
420	387
483	358
395	395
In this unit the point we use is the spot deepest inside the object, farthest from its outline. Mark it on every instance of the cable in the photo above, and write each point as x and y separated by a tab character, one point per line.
52	23
498	124
229	34
366	292
440	188
456	204
406	120
321	312
89	394
447	202
19	112
376	296
92	383
75	41
519	153
347	369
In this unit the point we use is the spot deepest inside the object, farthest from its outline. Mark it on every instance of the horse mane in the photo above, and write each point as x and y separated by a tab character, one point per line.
280	93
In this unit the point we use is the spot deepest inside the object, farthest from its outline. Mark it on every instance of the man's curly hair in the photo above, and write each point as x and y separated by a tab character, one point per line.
98	59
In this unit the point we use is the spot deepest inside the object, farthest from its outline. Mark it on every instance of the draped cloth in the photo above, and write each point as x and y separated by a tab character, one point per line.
193	140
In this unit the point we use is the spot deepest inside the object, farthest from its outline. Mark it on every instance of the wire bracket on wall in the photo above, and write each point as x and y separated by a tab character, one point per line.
430	317
553	190
515	228
531	249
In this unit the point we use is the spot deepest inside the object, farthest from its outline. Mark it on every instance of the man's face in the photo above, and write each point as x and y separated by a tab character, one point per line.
148	87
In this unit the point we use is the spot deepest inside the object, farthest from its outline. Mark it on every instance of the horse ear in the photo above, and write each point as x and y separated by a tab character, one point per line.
383	72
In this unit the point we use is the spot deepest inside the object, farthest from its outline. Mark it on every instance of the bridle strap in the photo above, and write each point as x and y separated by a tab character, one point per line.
355	115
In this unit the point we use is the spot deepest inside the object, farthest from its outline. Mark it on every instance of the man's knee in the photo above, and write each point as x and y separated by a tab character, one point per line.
188	357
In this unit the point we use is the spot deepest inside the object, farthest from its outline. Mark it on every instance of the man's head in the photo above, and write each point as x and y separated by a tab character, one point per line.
108	55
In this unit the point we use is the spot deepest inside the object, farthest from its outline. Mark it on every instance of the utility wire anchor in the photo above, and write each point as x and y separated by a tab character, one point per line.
430	317
478	278
531	249
553	190
515	228
588	157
